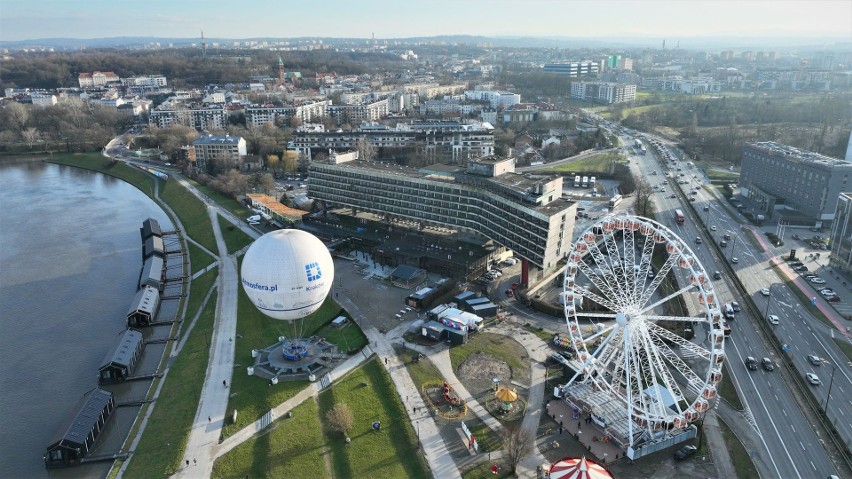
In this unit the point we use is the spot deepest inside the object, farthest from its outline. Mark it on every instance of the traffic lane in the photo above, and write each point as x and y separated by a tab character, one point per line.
765	393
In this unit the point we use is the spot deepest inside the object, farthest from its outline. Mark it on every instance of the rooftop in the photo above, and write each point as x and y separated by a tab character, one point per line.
218	140
86	418
124	349
794	153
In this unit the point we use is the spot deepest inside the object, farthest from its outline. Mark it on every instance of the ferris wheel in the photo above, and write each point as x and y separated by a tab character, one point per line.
632	292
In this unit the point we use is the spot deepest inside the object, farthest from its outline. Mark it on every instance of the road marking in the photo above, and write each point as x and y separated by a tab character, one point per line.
793	428
812	465
785	412
803	446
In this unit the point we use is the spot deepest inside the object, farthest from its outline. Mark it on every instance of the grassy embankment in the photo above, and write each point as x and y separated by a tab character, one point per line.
738	453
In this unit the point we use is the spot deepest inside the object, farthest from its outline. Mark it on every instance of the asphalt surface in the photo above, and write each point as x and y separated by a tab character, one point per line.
791	446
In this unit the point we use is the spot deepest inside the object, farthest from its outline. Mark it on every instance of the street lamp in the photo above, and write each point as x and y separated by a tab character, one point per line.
830	383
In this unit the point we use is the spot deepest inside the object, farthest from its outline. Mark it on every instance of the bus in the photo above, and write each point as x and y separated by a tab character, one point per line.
614	201
592	181
585	181
577	181
679	217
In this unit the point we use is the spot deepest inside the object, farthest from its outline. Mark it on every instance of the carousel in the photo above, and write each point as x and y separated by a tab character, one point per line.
581	468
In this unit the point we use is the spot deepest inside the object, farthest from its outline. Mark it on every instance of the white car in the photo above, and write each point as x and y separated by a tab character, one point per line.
712	227
828	294
772	319
813	379
826	290
817	281
735	260
765	291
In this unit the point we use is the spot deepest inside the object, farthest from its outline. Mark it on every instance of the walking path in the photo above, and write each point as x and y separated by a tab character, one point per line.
199	453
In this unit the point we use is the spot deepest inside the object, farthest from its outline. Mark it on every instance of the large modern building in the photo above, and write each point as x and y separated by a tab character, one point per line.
526	214
809	183
603	92
573	69
841	236
436	140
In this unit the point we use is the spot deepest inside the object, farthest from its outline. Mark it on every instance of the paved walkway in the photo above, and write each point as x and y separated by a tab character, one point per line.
212	407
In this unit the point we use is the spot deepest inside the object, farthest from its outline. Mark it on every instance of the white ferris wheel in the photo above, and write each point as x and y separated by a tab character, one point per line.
630	284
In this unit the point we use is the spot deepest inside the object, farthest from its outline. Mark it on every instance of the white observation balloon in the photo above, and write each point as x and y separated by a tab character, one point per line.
287	274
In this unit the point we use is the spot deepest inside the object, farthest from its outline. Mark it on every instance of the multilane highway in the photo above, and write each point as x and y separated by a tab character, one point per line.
791	447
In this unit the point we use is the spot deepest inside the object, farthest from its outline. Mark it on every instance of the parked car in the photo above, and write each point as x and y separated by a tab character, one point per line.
751	363
801	268
817	280
772	319
833	299
826	290
735	306
813	379
764	291
685	452
768	364
828	294
814	359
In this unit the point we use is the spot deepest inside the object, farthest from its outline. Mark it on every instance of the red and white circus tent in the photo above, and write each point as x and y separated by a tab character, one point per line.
581	468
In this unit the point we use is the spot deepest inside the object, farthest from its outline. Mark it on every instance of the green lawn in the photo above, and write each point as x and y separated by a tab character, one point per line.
498	346
160	451
716	175
227	202
99	163
192	213
729	392
594	164
349	339
739	456
235	238
845	347
200	258
251	396
421	372
483	471
293	448
391	452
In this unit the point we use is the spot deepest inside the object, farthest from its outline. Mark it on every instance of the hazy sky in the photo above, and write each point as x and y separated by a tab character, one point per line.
671	19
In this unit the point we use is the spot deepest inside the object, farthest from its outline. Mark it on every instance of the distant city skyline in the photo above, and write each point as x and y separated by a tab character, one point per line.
652	19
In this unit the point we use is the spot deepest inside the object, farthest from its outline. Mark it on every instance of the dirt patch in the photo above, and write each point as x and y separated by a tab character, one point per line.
477	371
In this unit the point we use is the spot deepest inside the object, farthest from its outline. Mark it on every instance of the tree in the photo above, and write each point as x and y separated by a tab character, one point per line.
366	150
644	192
518	442
30	136
339	419
288	202
17	116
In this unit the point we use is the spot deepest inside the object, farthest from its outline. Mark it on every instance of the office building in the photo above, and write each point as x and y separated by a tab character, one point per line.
524	214
840	238
775	174
603	92
573	69
226	151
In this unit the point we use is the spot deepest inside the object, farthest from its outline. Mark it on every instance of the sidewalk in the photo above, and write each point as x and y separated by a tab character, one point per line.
212	407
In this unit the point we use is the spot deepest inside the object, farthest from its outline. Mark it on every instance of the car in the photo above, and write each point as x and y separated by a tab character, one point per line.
515	285
735	306
672	195
735	260
814	359
706	208
717	275
768	364
751	363
833	299
765	291
510	293
662	190
817	280
723	243
727	236
813	379
698	240
685	452
801	268
809	275
829	294
772	319
712	227
826	290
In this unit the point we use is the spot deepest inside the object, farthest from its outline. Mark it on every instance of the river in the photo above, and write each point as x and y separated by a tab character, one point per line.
70	255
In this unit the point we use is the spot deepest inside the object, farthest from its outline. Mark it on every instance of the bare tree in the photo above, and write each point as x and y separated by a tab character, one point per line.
366	150
339	419
644	192
17	116
30	136
518	442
